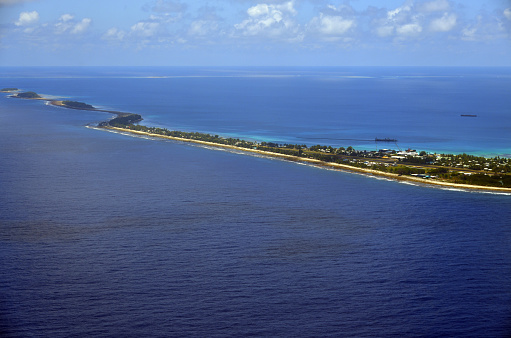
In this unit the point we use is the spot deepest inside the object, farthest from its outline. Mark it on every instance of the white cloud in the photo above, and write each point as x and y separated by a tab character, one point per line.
334	25
404	21
287	7
273	20
62	26
260	9
443	24
145	29
507	13
435	6
27	18
81	26
114	34
399	13
66	17
67	23
410	29
469	33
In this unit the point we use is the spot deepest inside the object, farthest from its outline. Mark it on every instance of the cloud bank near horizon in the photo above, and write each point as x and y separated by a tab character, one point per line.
310	27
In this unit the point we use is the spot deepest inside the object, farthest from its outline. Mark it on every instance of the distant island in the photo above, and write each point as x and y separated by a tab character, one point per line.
8	90
449	170
77	105
28	95
119	120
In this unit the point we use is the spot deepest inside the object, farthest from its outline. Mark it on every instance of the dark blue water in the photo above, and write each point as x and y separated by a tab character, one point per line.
109	235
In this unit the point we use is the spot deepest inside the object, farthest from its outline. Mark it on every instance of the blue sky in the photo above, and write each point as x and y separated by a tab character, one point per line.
255	33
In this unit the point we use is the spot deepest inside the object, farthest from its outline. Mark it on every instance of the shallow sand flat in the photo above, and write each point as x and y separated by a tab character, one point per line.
325	164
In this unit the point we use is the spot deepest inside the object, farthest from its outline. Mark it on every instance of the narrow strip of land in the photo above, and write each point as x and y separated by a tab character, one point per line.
413	167
316	162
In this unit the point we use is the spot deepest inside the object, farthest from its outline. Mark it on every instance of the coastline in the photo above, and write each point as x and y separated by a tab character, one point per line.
330	165
319	163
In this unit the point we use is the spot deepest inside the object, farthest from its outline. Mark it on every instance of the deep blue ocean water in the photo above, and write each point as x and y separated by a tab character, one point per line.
103	234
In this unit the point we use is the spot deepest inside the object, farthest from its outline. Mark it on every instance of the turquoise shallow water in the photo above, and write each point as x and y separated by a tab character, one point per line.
103	234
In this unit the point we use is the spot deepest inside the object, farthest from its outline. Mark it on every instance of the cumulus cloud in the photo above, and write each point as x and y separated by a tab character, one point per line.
258	10
81	26
27	18
114	34
402	23
145	29
66	17
469	33
410	29
443	24
333	25
399	14
333	22
268	19
67	24
409	21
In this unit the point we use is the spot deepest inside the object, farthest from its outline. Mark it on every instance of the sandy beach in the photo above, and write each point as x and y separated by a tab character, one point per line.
330	165
337	166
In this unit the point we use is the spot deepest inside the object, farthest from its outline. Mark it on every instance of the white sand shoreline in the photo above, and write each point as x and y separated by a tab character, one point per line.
337	166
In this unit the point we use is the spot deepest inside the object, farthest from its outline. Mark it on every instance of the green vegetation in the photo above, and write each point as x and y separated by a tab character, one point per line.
482	179
77	105
28	95
463	169
187	135
122	121
9	90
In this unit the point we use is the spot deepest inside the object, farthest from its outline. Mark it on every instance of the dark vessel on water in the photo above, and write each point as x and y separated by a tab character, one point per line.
385	140
468	115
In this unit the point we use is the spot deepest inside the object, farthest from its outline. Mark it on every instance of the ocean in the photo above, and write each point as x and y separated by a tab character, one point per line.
103	234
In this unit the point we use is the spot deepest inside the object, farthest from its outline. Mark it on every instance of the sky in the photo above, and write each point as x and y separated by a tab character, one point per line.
255	33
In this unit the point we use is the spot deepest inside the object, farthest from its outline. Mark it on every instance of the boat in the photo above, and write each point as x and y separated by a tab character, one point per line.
385	140
468	115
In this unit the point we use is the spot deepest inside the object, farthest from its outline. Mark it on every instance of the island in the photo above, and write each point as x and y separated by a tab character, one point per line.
447	170
75	105
8	90
120	119
28	95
